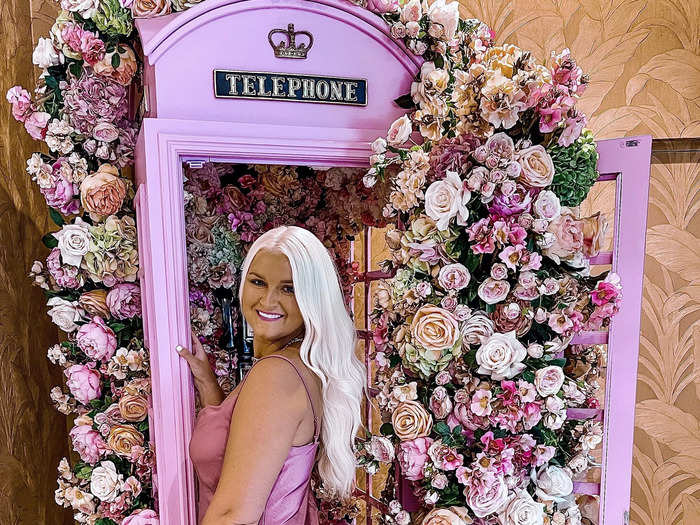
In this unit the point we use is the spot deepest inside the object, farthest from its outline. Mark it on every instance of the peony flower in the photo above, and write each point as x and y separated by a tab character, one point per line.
549	380
103	192
501	356
73	241
124	301
492	291
522	510
410	420
553	483
142	517
122	438
97	340
446	17
454	276
412	457
64	314
492	498
88	443
36	124
106	482
537	167
133	407
446	199
83	382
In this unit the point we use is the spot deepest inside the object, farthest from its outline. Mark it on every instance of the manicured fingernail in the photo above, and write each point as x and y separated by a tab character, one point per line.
178	348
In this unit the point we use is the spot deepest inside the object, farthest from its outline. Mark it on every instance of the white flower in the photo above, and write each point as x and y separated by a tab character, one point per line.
402	518
106	482
379	146
56	355
399	131
553	483
382	449
547	205
493	500
64	314
522	510
447	198
548	380
447	15
369	180
85	8
73	241
34	164
500	356
45	54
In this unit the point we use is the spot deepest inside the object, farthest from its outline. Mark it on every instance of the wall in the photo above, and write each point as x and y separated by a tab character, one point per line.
644	59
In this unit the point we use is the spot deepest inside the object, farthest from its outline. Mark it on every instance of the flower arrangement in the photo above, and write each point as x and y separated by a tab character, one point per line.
475	369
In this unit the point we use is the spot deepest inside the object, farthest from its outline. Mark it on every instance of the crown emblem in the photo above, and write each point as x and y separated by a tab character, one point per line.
287	47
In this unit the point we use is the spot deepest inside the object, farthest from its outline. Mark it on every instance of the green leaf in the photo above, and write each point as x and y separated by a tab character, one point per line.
116	60
56	217
529	376
117	327
387	429
405	101
557	362
442	428
49	241
439	61
84	472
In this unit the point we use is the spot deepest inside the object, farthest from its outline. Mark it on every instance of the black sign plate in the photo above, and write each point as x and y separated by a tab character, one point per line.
291	87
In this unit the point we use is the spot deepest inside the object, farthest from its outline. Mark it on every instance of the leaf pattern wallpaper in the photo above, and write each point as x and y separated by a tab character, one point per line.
643	57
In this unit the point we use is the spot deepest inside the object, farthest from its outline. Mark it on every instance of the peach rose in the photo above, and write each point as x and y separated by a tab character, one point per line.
133	408
435	329
103	192
411	420
124	72
449	516
537	167
150	8
123	437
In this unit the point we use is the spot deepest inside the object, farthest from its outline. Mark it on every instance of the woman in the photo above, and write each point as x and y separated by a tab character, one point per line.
254	451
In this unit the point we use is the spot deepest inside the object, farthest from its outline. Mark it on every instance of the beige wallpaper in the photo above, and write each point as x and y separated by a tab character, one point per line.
644	60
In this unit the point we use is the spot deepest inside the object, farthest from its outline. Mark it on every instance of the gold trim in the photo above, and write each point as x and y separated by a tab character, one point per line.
287	99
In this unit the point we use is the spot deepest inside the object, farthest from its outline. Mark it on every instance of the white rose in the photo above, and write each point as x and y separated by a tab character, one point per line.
85	8
535	350
64	314
399	131
447	198
547	205
379	146
493	500
447	15
548	380
500	356
106	482
411	12
402	518
73	241
553	483
369	180
45	54
522	510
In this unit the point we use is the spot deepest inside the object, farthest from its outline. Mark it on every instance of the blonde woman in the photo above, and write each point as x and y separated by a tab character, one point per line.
300	403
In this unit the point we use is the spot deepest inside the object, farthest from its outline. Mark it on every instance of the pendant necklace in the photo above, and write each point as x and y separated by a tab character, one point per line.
295	340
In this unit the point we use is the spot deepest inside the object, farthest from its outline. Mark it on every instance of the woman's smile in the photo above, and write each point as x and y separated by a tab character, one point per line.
269	316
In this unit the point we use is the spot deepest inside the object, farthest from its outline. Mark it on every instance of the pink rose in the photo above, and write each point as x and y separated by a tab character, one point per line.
36	124
105	132
444	457
88	443
492	291
568	237
549	380
454	276
142	517
412	456
440	403
21	102
399	131
547	205
97	340
103	192
124	301
83	382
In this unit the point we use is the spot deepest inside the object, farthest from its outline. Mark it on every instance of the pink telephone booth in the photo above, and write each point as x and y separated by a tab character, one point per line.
220	87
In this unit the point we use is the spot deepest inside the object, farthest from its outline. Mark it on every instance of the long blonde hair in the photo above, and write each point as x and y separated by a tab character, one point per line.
328	348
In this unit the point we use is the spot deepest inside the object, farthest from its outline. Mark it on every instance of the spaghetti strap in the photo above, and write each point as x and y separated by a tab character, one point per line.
303	382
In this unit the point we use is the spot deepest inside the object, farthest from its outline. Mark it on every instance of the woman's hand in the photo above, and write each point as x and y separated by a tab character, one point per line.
198	362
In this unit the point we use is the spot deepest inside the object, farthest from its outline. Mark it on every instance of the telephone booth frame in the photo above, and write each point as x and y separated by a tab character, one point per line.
185	121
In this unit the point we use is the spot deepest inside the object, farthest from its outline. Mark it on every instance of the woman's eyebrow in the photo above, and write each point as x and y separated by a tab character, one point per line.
287	281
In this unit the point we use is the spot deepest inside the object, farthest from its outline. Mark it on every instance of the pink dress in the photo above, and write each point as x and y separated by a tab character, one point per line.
291	501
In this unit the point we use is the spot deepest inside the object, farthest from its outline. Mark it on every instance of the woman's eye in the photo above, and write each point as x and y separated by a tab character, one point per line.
288	289
257	282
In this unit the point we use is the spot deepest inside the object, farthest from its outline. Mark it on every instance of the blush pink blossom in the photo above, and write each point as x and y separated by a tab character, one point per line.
21	102
83	382
88	443
444	457
36	124
412	457
142	517
124	301
97	340
481	402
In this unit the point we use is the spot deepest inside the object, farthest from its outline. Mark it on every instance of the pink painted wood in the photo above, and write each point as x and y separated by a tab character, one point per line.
185	121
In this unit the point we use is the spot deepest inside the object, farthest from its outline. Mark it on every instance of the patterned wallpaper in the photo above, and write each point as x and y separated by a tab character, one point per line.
644	60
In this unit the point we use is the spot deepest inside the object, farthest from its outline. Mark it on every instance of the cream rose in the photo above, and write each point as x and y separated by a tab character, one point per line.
133	408
553	483
549	380
73	241
449	516
500	356
447	198
435	329
410	420
547	205
64	314
399	131
446	16
522	510
106	482
122	438
537	167
477	328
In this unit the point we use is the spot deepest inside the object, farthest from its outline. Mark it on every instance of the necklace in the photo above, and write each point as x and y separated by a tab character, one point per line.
295	340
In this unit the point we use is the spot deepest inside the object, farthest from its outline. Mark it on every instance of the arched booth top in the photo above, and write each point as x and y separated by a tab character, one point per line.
322	107
183	51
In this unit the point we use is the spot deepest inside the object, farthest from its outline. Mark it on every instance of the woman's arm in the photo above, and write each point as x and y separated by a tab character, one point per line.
268	412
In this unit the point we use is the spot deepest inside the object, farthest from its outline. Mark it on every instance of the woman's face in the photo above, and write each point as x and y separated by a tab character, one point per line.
268	300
